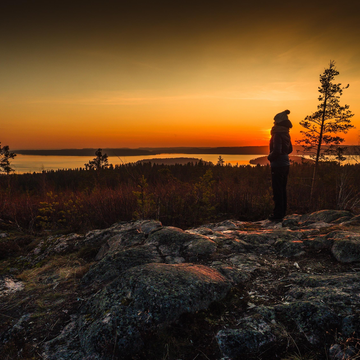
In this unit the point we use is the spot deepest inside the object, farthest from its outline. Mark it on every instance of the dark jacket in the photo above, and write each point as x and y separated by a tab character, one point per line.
280	145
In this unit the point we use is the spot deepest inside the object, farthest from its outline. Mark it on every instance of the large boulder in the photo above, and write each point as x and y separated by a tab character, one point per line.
174	244
142	298
113	264
121	236
346	246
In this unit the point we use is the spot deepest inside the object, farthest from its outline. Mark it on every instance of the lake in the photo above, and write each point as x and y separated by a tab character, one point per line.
38	163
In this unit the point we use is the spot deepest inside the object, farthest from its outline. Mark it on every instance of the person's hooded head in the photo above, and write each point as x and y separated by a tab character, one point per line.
282	119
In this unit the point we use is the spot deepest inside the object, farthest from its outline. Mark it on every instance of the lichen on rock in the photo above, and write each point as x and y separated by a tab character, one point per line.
244	288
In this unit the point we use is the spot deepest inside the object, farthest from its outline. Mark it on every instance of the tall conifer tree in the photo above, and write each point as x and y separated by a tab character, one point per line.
322	127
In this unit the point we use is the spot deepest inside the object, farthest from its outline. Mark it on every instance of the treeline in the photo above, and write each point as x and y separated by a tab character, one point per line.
177	195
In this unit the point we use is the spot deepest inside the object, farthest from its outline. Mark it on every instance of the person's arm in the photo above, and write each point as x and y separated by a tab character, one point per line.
290	148
277	148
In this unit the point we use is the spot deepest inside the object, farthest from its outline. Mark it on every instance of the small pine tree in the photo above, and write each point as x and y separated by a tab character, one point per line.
99	162
145	201
5	156
204	196
221	161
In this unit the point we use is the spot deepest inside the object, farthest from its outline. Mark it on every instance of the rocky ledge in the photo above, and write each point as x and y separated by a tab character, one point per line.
230	290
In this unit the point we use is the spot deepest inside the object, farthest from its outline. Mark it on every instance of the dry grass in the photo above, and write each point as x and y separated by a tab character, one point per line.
59	267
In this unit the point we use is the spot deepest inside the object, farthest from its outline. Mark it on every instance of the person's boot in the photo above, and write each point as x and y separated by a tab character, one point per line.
274	218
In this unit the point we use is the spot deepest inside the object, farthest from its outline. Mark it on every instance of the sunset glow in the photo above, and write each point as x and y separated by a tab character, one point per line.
151	74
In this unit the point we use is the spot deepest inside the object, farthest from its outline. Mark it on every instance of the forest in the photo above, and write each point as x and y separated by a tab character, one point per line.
178	195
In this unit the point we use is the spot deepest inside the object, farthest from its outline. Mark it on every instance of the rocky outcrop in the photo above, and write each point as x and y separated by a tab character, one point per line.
141	299
291	282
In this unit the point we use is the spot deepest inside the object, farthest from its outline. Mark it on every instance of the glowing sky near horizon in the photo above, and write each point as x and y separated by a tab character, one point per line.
157	73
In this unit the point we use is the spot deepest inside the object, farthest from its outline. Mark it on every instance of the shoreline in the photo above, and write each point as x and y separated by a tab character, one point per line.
234	150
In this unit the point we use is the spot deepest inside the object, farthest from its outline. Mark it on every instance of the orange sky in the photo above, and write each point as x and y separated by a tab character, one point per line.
149	74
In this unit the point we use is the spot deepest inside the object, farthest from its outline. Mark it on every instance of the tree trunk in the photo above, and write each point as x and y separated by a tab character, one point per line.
318	149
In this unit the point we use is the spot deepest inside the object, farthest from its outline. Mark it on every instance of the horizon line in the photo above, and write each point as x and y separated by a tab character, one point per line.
163	147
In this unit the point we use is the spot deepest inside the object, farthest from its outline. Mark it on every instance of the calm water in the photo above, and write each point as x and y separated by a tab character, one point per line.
38	163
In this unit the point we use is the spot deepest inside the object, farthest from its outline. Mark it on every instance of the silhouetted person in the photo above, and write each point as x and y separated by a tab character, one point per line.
280	147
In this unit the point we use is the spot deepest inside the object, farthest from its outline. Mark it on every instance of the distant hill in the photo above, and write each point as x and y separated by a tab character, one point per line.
172	161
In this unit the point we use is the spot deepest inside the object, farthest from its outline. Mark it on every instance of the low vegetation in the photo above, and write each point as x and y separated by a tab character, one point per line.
177	195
